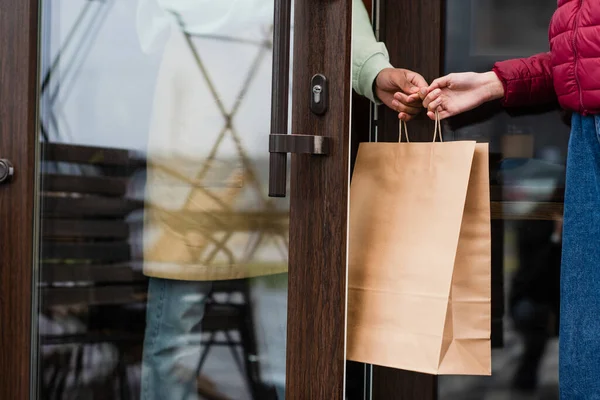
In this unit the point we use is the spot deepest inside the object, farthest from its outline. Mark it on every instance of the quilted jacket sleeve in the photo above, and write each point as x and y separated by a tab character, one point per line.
526	81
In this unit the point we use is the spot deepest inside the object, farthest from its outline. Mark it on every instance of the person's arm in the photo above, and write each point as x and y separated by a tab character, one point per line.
526	81
372	74
518	82
369	57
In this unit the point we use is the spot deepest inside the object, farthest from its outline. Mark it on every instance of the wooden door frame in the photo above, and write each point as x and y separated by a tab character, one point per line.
319	206
18	140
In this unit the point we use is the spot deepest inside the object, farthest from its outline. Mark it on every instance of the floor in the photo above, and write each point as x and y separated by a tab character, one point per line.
497	387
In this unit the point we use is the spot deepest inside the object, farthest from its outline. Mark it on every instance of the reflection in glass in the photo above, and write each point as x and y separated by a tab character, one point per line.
163	264
528	154
528	32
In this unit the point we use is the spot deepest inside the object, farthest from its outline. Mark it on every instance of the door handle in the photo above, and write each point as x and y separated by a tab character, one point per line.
6	171
280	145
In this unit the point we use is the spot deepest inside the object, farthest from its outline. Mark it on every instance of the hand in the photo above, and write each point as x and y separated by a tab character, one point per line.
456	93
399	89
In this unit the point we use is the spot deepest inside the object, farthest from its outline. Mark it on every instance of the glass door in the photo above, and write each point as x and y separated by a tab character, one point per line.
528	150
153	262
163	260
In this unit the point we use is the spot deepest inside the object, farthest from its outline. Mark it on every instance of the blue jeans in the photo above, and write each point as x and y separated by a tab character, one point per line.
580	274
172	347
172	342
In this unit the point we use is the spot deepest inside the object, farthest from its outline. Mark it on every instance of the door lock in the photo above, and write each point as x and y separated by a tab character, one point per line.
317	89
318	94
6	171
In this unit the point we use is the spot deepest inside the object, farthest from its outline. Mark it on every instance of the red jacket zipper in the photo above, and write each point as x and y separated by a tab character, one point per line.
575	28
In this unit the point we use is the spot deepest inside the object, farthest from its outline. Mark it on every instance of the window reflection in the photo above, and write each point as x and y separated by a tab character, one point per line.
497	30
528	154
163	263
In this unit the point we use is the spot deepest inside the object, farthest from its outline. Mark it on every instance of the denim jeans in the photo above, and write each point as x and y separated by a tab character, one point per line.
580	273
172	342
172	347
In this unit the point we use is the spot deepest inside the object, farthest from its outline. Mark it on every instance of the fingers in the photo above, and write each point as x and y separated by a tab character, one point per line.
433	96
405	117
408	81
400	107
418	81
411	100
443	114
407	105
414	98
435	101
415	94
436	104
439	83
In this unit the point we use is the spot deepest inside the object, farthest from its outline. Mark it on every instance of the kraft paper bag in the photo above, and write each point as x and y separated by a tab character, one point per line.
420	256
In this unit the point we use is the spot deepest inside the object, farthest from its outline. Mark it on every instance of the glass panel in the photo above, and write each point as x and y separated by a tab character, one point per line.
528	31
163	262
528	153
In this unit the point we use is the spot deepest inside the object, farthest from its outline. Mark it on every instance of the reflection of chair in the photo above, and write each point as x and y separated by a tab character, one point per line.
229	322
87	271
86	262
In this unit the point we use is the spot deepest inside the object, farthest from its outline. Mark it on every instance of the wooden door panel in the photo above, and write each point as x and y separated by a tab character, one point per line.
318	213
18	104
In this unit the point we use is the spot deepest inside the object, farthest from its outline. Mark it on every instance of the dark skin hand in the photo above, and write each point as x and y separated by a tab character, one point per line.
399	89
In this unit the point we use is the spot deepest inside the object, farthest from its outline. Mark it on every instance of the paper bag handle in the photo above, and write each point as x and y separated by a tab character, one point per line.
438	128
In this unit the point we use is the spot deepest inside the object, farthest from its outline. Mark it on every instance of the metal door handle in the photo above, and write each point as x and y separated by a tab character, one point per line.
280	145
6	171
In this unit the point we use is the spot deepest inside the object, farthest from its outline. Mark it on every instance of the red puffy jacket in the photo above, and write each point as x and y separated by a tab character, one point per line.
570	71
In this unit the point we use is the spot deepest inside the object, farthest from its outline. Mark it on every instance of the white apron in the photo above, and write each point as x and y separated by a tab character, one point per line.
207	215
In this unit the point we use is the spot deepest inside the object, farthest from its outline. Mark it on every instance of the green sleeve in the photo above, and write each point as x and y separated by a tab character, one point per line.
369	57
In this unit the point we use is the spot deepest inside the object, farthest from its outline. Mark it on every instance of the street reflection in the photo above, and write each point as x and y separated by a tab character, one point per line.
528	155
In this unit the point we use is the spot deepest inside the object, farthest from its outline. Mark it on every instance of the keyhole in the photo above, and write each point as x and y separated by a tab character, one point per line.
317	89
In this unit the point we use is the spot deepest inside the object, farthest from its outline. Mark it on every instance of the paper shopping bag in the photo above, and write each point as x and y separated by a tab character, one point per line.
420	255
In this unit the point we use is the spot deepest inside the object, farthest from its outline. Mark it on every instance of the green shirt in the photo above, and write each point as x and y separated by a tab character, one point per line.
369	56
